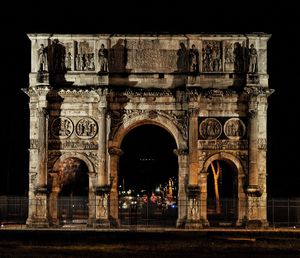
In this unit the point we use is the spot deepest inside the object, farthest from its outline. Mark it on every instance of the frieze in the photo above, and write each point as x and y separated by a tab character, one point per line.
215	93
234	128
147	93
210	128
86	128
258	90
62	127
223	144
72	145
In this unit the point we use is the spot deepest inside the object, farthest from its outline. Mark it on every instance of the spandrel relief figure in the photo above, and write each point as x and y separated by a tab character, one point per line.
103	58
42	58
194	59
252	59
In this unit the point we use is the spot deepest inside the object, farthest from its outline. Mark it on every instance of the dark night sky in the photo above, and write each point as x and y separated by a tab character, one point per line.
153	16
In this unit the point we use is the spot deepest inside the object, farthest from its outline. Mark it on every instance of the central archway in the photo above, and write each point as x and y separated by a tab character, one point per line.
148	177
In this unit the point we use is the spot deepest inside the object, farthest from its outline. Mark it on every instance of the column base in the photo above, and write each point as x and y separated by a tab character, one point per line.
101	223
196	224
37	223
253	224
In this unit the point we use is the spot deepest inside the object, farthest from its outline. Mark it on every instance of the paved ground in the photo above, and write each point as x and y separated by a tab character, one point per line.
146	243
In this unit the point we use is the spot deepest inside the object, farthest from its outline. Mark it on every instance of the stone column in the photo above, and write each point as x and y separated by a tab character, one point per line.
53	200
38	211
183	168
115	154
257	132
193	188
253	151
102	188
193	147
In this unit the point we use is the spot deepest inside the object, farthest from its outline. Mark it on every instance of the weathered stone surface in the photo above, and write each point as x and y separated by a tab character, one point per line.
88	91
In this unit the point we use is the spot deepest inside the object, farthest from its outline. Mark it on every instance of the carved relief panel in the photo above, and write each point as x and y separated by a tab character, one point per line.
84	52
234	56
73	133
210	129
86	128
61	127
223	131
212	56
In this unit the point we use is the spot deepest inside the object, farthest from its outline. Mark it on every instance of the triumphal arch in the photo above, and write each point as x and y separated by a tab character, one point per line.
208	91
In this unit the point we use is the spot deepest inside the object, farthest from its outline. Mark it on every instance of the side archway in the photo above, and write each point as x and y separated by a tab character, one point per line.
238	176
70	179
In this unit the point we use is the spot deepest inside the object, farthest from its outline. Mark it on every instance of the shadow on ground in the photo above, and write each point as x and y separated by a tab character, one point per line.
53	243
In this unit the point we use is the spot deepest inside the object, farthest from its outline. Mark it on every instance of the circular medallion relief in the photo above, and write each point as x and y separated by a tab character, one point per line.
62	127
210	129
86	128
234	128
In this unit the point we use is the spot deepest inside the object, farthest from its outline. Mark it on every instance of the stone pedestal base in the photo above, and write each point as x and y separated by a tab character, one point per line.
101	223
196	224
256	224
37	223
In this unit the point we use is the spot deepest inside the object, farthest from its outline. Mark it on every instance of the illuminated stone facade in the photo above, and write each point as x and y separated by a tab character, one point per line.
208	91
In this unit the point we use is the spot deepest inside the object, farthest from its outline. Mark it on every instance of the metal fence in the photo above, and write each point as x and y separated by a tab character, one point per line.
74	210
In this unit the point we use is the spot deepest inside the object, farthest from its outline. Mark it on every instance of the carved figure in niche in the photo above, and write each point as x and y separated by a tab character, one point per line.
210	128
207	53
238	57
86	128
215	59
91	62
42	58
103	58
118	57
182	58
194	59
77	62
252	59
68	61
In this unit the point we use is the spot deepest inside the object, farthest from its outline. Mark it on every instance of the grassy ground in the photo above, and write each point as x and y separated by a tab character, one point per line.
217	243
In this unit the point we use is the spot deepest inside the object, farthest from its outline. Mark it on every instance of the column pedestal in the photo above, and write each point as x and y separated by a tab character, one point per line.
39	219
101	207
194	221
